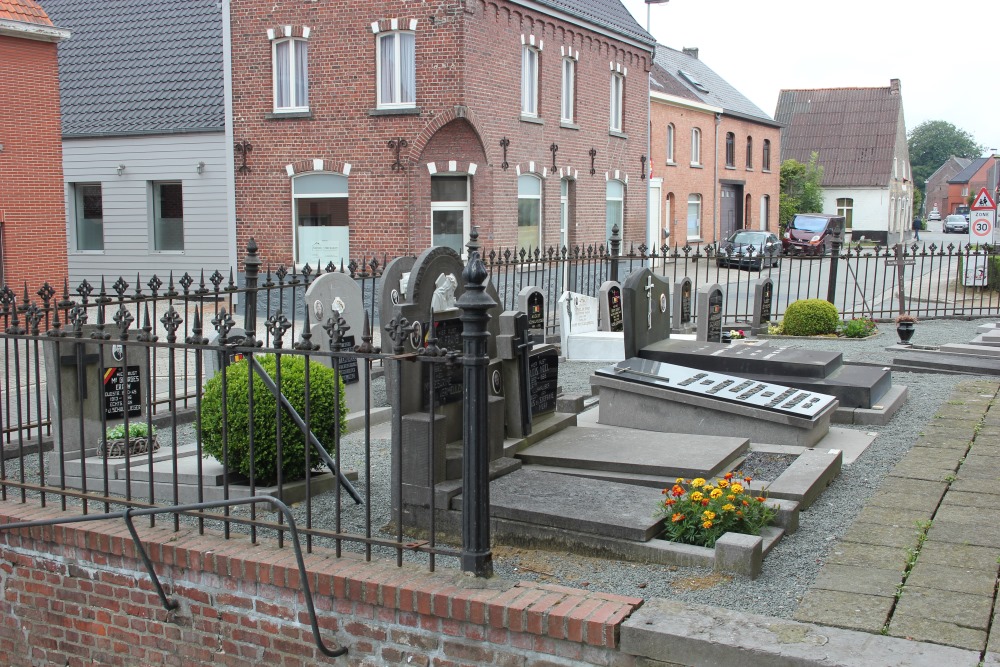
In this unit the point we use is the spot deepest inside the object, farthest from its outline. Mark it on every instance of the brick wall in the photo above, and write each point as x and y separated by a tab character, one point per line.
31	181
468	69
78	595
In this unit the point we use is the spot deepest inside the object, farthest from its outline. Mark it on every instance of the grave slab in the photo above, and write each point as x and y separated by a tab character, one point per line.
973	348
626	450
807	477
744	359
944	362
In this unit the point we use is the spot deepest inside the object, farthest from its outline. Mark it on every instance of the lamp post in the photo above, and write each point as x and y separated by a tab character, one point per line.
652	2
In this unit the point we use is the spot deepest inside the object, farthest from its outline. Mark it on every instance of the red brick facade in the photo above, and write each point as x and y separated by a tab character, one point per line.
468	98
32	200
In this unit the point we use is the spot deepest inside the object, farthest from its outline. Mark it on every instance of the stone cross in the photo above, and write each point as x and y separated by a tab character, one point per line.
649	302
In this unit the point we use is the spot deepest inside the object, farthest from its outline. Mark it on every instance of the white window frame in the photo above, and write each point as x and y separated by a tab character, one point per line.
293	90
694	199
464	206
529	80
695	147
521	196
619	217
397	101
338	179
568	89
617	99
78	213
765	157
845	207
765	212
671	142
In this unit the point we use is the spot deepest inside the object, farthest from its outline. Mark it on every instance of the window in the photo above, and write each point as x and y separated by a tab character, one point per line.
450	212
749	152
765	162
614	207
89	214
397	78
747	220
845	207
568	89
529	211
617	89
695	147
168	216
291	75
322	231
529	81
694	216
730	150
765	212
670	143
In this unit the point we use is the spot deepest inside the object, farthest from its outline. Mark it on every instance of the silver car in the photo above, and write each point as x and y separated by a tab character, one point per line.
955	224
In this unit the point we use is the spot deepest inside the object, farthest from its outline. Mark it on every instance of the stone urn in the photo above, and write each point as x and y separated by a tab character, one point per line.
905	327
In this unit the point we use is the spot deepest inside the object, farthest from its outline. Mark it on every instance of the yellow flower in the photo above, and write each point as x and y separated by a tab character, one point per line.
728	507
697	482
707	488
737	487
731	497
696	496
707	524
723	483
715	493
708	514
679	480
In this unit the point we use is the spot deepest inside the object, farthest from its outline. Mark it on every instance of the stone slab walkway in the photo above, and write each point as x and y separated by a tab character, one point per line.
922	559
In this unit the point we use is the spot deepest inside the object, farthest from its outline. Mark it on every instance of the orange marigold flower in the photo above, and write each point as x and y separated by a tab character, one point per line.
677	491
739	512
746	503
731	497
747	479
707	524
728	476
704	503
677	517
669	501
761	499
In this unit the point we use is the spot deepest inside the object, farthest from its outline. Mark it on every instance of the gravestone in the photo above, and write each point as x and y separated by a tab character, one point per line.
391	294
579	336
513	380
646	299
682	311
338	295
88	382
611	308
543	372
710	314
763	305
531	301
214	359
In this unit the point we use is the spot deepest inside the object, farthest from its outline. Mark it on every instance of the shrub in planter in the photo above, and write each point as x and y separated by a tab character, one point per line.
810	317
325	415
859	327
704	512
140	439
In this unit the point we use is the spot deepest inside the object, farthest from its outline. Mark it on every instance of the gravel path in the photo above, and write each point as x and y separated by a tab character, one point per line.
788	570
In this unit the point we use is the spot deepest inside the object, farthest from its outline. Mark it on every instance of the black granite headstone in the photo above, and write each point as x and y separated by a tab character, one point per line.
543	369
615	313
448	380
685	301
122	387
536	311
714	324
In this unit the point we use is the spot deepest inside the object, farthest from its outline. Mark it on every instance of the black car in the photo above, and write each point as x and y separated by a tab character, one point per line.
955	224
749	249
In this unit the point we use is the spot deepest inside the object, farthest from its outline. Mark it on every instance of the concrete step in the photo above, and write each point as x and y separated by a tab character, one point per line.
973	349
807	477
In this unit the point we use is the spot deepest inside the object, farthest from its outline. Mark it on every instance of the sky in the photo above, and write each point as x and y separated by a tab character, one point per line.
940	51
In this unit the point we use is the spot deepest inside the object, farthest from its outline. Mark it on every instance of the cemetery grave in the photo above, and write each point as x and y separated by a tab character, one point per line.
980	356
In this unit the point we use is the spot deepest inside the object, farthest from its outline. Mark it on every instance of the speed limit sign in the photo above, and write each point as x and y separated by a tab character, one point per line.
983	218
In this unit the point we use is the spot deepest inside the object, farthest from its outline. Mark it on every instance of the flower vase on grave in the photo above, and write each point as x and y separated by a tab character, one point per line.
905	332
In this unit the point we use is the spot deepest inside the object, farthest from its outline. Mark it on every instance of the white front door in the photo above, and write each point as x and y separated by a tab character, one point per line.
655	233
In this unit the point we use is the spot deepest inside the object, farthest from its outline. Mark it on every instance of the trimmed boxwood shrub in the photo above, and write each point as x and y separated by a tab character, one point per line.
810	317
324	415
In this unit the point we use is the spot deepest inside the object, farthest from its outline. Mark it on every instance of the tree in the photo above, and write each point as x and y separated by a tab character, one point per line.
931	144
800	189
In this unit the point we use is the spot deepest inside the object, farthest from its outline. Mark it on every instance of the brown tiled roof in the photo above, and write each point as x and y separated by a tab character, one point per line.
854	130
25	11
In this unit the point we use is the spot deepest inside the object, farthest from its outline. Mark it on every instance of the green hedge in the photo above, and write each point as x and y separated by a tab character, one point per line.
810	317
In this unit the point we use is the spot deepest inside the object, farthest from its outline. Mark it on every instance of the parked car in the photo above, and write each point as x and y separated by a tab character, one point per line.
964	211
749	249
934	215
955	224
813	233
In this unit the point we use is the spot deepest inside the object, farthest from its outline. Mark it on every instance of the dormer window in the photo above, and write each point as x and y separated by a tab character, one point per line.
690	78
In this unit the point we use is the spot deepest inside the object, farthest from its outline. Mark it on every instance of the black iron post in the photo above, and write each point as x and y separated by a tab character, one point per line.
831	287
614	248
477	558
252	265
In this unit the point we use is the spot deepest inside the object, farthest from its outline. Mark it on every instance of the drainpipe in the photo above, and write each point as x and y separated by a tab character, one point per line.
717	223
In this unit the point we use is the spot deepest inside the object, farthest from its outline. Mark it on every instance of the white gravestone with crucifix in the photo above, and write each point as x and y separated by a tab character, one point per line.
578	330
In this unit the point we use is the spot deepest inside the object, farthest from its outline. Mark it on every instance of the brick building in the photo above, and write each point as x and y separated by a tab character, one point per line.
32	213
939	193
526	119
962	187
714	154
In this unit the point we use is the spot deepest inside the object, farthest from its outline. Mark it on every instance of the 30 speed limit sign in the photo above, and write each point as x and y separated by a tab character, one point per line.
981	226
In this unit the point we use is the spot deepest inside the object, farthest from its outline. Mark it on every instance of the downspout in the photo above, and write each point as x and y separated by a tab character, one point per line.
227	76
716	187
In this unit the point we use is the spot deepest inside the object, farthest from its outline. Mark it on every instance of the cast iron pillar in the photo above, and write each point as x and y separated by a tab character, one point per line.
477	558
252	268
614	249
831	285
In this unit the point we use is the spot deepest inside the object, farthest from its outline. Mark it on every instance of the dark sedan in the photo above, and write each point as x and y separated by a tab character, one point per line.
749	249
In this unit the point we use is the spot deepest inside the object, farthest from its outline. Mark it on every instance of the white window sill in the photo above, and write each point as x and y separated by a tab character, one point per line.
288	113
395	111
617	133
526	118
697	165
568	124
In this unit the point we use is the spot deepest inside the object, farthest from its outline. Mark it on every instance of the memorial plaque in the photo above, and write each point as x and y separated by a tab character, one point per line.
728	388
536	311
543	369
448	380
616	320
766	301
348	365
685	302
122	386
714	324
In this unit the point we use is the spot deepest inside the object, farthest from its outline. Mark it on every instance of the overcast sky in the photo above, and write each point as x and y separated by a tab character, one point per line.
940	51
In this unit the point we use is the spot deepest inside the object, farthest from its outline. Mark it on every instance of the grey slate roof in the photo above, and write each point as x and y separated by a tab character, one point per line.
610	14
714	89
140	66
661	81
966	174
854	130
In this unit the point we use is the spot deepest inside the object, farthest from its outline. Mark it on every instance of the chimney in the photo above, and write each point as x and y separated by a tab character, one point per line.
693	52
894	86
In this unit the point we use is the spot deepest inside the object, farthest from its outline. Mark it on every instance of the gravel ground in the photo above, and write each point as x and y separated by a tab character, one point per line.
790	567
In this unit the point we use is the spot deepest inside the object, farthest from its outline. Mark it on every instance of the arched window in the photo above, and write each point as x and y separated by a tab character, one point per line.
321	220
749	152
695	147
765	162
397	79
290	64
730	149
614	207
670	143
694	216
765	212
529	211
747	218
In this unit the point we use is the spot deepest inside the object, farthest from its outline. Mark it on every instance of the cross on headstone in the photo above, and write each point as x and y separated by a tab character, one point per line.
649	302
523	348
78	359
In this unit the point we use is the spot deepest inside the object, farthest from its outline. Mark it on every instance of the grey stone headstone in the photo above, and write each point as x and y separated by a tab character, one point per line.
763	304
646	298
710	298
391	293
683	307
215	358
339	292
611	306
513	379
531	301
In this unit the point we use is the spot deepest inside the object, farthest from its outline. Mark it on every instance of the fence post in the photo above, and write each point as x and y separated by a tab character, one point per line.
476	558
614	248
831	287
900	275
252	267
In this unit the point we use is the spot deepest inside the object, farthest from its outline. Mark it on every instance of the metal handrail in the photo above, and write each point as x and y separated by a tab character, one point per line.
171	605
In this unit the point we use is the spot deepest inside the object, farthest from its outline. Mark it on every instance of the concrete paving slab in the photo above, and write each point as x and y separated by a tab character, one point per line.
936	441
853	611
900	516
858	579
882	534
946	578
867	555
668	631
921	629
981	558
937	470
917	494
956	533
962	609
976	486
